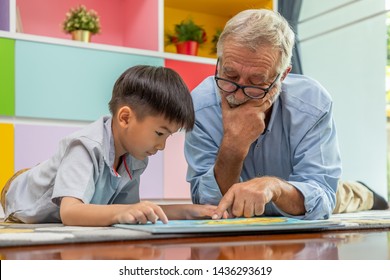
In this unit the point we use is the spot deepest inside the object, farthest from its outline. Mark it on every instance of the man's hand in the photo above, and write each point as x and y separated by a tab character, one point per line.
245	199
245	123
248	199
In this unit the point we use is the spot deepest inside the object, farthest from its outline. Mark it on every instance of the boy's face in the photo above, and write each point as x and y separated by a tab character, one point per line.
145	138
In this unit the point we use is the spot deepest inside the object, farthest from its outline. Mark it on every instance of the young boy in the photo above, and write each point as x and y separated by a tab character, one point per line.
93	179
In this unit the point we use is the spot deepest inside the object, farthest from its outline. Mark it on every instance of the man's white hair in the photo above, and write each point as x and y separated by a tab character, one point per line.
260	27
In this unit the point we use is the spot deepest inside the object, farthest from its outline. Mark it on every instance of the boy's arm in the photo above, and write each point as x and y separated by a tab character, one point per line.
190	211
74	212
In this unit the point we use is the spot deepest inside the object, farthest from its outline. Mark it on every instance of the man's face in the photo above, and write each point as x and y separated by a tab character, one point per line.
245	74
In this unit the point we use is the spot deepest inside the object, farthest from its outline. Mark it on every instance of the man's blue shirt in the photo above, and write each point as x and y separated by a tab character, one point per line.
299	146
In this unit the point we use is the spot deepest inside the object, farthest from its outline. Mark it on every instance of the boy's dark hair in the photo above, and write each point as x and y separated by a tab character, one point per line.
151	91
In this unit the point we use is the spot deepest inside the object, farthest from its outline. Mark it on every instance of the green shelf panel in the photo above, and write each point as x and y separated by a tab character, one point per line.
7	77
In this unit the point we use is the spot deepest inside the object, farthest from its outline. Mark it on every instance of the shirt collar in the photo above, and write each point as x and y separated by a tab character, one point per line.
275	108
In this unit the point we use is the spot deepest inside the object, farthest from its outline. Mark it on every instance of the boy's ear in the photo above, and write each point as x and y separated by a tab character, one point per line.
124	116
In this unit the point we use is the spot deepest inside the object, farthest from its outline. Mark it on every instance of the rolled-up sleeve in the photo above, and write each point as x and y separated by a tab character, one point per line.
317	167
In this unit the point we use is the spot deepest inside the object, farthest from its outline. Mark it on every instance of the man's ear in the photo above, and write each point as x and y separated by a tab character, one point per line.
285	73
125	115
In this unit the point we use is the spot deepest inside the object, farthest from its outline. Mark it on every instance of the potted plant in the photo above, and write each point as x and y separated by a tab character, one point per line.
81	23
187	37
215	39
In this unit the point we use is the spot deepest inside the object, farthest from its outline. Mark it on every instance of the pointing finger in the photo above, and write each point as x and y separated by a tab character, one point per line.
225	203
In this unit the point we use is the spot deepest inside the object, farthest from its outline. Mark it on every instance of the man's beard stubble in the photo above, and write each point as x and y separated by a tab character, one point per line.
233	102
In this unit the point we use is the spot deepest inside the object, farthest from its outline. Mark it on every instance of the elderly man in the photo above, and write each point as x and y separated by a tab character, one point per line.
264	141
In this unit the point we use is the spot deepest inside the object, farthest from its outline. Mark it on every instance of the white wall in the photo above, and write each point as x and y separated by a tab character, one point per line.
343	46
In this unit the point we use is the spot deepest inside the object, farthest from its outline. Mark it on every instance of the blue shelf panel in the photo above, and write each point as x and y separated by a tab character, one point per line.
63	82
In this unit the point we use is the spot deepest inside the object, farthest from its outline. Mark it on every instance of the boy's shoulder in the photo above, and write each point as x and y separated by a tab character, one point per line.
95	134
93	129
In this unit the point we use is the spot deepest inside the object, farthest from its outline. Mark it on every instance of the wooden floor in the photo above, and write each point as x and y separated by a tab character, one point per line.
337	245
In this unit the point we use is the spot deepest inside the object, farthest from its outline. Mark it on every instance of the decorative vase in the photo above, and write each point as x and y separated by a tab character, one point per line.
187	47
81	35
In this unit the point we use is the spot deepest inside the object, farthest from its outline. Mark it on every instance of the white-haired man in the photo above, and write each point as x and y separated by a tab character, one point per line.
264	141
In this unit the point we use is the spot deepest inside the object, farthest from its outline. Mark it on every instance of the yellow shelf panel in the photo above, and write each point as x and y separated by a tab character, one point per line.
6	153
210	14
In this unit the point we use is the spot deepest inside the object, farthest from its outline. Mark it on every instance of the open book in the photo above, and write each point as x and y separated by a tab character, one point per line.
273	224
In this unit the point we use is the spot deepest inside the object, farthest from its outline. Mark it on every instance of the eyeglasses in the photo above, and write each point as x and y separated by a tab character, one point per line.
250	91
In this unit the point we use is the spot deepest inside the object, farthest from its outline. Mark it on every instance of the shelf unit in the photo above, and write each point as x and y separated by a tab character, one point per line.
52	85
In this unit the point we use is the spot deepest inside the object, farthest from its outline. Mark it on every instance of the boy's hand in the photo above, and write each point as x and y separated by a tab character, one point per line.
141	213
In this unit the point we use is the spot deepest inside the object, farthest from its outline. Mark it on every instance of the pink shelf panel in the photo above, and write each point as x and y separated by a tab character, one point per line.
131	23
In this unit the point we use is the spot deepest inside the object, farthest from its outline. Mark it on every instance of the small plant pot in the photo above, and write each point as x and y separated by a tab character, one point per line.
188	47
81	35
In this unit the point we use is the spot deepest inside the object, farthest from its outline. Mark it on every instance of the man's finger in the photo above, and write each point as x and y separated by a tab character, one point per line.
225	203
238	208
262	105
160	214
249	209
224	103
259	209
